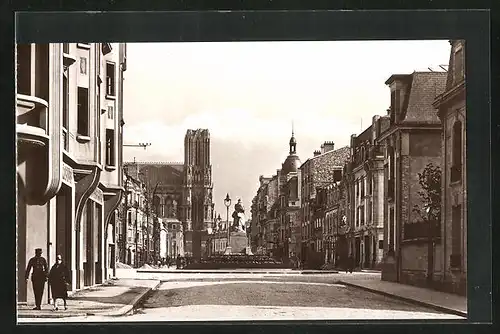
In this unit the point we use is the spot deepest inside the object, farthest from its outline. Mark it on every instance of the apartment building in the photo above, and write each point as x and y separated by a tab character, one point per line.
69	138
451	110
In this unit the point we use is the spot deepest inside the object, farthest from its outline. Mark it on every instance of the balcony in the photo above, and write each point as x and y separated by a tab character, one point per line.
32	120
455	173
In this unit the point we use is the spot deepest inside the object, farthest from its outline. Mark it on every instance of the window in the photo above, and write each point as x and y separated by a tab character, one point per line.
456	168
456	236
66	48
24	69
83	111
83	65
111	112
381	244
110	147
395	104
110	79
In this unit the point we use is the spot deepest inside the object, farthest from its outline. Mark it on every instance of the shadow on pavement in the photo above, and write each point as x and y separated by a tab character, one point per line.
123	298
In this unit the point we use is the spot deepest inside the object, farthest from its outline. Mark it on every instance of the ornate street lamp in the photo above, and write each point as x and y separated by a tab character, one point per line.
227	203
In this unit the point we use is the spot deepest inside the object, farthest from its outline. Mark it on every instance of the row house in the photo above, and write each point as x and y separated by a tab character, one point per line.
289	204
69	118
366	183
451	110
411	137
335	224
324	169
132	227
259	211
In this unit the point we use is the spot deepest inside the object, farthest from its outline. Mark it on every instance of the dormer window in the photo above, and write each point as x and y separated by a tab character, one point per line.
395	104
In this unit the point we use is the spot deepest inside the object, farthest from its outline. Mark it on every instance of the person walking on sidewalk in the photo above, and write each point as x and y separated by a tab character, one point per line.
59	280
38	277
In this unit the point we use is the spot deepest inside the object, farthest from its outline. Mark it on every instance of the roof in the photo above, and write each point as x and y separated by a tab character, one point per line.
291	164
424	88
335	157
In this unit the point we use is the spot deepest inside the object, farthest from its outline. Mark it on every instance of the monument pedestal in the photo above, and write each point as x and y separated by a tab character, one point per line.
237	242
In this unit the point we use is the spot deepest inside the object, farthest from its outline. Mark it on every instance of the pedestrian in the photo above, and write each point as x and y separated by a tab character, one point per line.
351	264
38	277
59	280
178	261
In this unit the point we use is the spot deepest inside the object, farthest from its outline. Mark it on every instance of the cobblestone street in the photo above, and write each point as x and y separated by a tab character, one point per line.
278	296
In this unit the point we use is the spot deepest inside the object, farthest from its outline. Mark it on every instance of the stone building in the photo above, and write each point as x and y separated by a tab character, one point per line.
411	137
451	110
69	137
323	169
367	187
259	216
133	223
289	204
181	193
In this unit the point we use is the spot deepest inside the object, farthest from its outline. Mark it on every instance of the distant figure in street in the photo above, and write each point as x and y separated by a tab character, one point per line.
178	261
59	280
351	263
38	277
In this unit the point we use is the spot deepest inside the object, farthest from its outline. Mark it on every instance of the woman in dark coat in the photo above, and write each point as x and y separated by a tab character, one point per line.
58	280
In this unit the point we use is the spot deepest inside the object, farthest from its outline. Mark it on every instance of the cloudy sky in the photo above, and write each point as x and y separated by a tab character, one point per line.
248	93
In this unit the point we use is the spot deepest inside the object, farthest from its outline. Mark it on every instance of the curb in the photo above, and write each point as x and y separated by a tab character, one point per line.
130	307
120	312
289	272
409	300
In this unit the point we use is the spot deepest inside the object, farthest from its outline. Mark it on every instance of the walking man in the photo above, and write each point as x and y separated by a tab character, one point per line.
38	277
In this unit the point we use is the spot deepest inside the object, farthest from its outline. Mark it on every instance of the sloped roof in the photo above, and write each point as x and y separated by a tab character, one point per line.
424	88
336	157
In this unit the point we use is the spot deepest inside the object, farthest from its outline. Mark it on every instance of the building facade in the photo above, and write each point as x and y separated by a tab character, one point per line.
289	205
324	169
451	110
411	137
367	187
69	138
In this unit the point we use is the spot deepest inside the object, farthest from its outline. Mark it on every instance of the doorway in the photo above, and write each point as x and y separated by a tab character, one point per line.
357	251
367	251
64	225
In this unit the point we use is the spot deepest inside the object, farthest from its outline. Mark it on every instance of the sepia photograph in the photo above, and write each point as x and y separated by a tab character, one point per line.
229	181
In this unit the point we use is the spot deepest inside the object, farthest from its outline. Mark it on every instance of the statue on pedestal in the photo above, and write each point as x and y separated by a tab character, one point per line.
238	217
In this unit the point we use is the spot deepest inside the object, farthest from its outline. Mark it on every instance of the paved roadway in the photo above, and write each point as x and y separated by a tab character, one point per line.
250	297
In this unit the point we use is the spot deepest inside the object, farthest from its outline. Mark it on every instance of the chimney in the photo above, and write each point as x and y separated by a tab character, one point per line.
317	152
327	146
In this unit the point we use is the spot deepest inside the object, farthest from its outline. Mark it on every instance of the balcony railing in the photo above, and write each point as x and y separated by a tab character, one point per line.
455	173
32	119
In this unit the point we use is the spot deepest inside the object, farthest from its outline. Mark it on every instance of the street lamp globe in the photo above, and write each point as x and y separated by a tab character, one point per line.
227	201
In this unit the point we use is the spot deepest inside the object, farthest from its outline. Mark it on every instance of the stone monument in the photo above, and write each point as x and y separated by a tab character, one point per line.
238	240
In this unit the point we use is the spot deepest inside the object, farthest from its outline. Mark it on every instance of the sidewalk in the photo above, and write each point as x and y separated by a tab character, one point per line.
113	298
437	300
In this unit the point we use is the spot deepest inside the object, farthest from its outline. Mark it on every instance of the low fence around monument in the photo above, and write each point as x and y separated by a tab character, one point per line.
237	261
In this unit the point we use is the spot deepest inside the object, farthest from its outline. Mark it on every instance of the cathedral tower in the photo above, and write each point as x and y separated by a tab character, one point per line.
197	191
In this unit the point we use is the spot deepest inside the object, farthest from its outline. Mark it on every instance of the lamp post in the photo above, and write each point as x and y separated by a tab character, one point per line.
227	203
430	247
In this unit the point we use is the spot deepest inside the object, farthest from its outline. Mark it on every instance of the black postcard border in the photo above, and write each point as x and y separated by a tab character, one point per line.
471	25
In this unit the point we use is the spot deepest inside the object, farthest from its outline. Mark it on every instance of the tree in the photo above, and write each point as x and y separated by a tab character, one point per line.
430	181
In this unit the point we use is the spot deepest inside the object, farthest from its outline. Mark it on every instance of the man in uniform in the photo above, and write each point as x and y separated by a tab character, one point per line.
38	277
